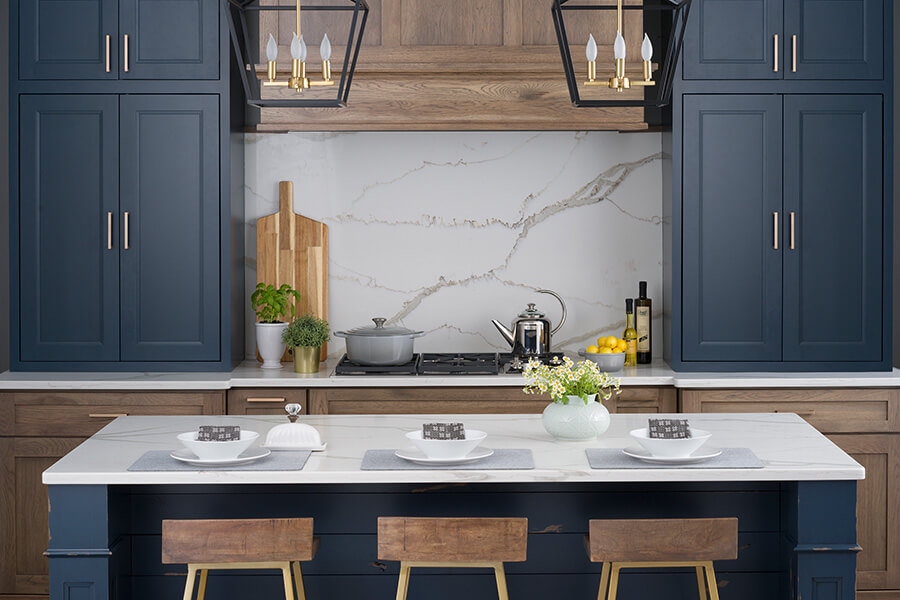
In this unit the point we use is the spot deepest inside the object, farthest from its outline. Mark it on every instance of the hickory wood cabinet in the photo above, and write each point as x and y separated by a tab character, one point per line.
865	423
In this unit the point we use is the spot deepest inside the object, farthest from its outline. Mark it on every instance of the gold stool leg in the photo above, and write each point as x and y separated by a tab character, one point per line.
189	584
701	583
201	592
288	585
298	582
403	583
711	581
604	581
614	582
500	575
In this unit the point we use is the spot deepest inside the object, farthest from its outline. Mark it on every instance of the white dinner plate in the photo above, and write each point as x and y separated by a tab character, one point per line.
699	455
415	455
249	455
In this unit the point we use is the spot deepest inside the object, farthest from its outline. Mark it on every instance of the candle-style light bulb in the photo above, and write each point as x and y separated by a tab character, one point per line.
591	50
325	48
303	51
295	47
646	48
619	46
271	49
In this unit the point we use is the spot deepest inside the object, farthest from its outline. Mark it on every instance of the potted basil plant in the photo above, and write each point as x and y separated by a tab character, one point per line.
271	305
305	336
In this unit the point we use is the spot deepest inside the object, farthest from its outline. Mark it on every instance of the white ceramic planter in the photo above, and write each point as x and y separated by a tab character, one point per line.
576	420
268	341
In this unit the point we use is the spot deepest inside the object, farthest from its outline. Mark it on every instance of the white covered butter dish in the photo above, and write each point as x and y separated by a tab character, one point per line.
294	435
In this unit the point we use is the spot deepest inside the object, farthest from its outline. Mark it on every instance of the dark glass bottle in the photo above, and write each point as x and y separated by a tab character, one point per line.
643	323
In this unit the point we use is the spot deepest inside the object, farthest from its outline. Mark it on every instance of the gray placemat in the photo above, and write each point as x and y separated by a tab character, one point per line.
731	458
505	459
159	460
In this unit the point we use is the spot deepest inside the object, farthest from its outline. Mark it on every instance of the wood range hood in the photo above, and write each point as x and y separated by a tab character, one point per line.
476	65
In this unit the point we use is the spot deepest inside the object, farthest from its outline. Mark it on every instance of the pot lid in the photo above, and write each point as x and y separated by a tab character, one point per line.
379	330
531	312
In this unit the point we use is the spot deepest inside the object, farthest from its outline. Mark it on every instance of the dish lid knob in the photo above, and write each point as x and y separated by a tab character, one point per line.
293	411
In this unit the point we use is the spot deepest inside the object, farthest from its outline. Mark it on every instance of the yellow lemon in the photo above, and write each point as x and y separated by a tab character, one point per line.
620	347
592	350
611	342
605	351
601	341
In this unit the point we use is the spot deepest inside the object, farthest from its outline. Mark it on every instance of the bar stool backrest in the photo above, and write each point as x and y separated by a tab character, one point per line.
237	540
647	540
452	539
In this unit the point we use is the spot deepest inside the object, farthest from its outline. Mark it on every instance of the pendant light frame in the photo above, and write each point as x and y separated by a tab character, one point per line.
237	11
672	34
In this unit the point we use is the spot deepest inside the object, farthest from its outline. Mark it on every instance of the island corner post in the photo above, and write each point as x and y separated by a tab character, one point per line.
798	538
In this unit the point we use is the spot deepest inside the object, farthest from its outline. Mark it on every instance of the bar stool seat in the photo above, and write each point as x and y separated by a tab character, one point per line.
219	544
452	542
647	543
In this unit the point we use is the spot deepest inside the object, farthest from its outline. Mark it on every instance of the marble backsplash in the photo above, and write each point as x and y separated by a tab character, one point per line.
445	231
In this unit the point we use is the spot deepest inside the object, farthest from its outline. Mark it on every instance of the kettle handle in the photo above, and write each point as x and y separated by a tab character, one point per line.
562	319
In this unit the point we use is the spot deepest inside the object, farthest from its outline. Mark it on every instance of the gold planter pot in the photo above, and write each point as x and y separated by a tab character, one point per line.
306	358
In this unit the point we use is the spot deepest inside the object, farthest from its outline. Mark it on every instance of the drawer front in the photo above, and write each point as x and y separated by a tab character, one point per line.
833	410
85	413
265	401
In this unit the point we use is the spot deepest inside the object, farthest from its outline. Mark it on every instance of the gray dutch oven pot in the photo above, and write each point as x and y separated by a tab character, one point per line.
380	345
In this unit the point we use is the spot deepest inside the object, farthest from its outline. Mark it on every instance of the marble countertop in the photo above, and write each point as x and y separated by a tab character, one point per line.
790	449
249	375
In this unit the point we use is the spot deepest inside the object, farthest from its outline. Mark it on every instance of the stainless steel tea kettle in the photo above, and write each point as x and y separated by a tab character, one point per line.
531	331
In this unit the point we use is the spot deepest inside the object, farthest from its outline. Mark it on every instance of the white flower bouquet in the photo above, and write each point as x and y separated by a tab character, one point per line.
583	380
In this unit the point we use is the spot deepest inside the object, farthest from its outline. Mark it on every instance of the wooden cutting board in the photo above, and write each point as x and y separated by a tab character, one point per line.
293	249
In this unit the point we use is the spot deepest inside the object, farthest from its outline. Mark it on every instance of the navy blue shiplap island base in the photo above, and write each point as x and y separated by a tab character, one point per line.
797	521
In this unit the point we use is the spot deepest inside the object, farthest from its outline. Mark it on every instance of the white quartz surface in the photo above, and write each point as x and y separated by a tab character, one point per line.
249	375
790	449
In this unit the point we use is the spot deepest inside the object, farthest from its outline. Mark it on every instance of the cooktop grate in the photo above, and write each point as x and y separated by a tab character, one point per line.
467	363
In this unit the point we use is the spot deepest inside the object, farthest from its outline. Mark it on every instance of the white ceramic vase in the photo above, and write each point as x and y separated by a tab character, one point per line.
576	420
268	341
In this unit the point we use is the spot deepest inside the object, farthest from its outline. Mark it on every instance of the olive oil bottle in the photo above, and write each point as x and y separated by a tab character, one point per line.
643	310
630	335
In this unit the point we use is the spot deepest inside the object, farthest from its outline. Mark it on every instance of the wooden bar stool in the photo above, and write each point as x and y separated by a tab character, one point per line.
452	542
240	544
646	543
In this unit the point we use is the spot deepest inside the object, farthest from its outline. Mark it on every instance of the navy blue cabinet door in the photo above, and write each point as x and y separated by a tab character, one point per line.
833	187
69	258
67	39
170	214
838	39
733	39
731	200
170	39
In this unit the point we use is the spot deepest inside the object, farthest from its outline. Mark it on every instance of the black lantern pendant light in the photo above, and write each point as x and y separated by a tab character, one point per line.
663	24
305	89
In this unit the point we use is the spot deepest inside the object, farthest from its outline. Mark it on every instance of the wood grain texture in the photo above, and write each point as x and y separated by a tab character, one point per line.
237	540
265	401
293	249
636	540
452	539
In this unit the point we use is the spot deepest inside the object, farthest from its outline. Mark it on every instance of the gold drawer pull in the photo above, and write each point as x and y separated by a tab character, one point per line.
794	54
799	413
127	244
108	65
775	67
109	226
774	231
126	53
279	400
107	415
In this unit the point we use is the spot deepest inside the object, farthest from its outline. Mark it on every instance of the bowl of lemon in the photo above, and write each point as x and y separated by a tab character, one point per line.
608	353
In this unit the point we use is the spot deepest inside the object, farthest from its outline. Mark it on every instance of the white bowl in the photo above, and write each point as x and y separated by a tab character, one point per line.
218	450
447	449
607	362
678	448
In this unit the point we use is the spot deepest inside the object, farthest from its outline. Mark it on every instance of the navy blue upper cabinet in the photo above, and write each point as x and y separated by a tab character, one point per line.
834	39
170	215
68	39
833	188
731	204
732	39
68	253
169	39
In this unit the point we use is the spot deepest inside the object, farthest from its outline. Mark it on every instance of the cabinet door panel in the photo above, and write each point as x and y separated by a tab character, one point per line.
69	304
732	187
66	39
732	39
833	184
170	188
836	39
170	39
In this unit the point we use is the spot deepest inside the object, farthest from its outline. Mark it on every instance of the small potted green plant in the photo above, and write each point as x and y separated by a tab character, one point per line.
305	336
271	305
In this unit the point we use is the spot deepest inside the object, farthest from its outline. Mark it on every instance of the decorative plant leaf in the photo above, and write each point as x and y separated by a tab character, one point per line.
271	303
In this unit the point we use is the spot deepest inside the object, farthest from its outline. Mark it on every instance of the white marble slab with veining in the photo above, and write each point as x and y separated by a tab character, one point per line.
790	448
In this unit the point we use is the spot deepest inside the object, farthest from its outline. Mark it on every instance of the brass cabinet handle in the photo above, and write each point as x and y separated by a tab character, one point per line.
774	230
126	53
799	413
127	244
793	54
774	69
109	225
108	64
792	230
107	415
279	400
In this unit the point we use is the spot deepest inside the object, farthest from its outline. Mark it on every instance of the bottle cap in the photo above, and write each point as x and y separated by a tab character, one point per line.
629	304
642	289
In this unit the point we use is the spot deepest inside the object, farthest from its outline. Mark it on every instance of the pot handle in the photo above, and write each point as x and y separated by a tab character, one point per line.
417	334
562	319
342	334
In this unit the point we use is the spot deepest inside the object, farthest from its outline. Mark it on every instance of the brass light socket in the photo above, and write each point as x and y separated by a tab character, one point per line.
648	68
296	81
592	70
619	82
326	70
271	72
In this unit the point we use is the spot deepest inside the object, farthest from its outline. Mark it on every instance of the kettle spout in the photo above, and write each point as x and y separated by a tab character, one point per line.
506	333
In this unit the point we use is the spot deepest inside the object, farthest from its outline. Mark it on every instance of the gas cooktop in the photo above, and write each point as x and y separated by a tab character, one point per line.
465	363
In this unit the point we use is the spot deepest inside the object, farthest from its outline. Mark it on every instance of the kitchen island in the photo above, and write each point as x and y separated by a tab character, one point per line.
796	514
